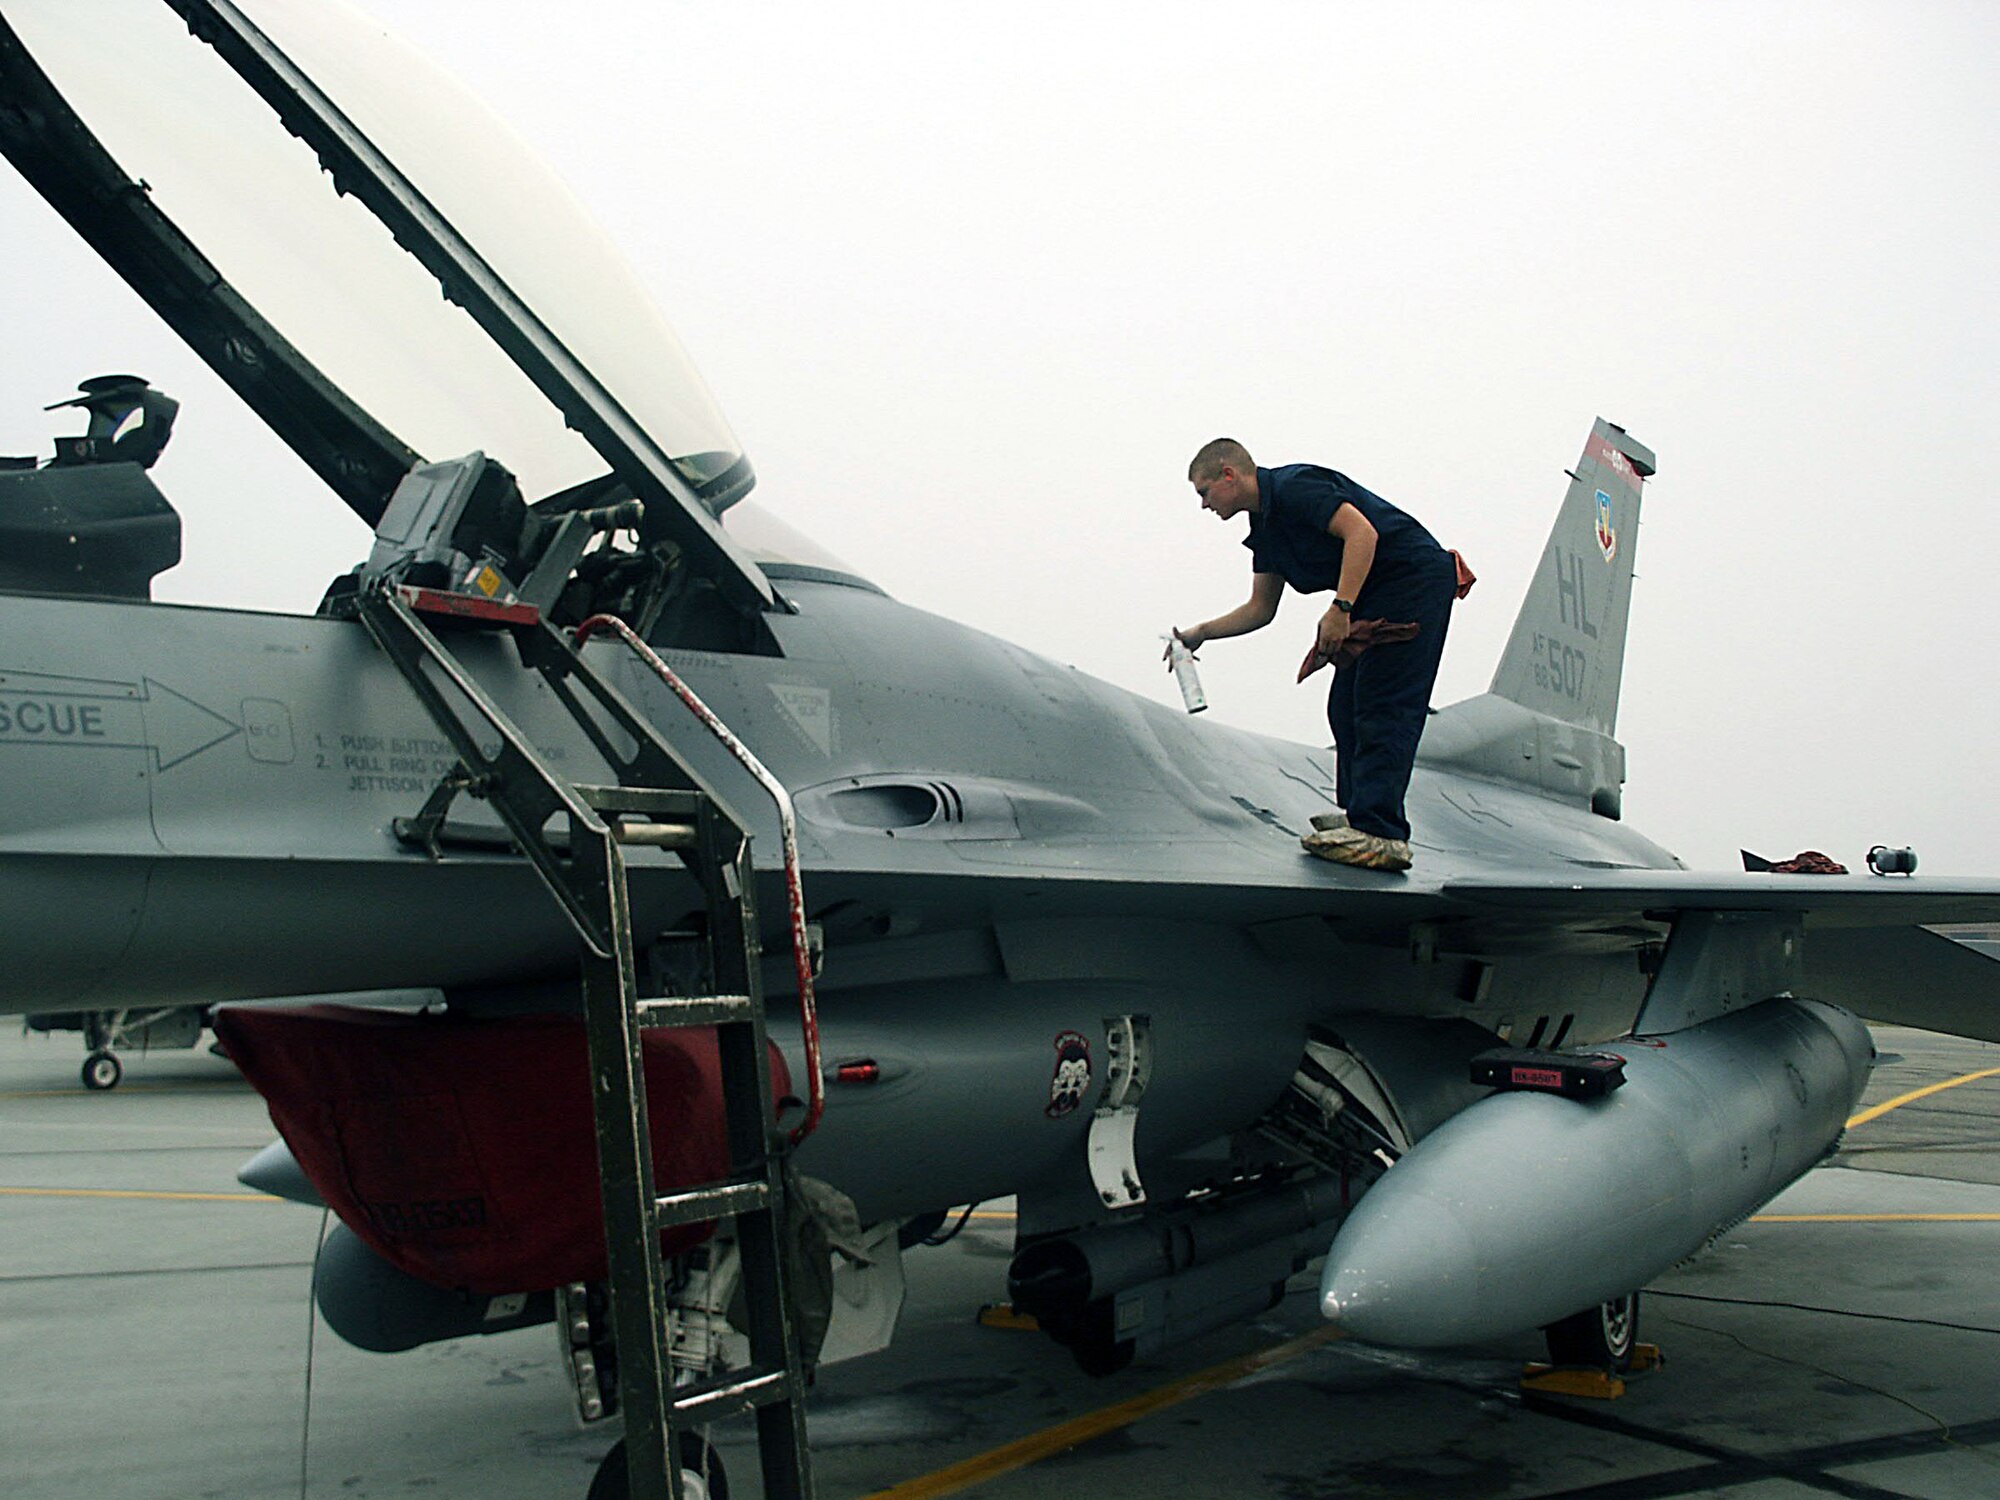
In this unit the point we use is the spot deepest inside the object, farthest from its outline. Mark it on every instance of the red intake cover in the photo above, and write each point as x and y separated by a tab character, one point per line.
464	1152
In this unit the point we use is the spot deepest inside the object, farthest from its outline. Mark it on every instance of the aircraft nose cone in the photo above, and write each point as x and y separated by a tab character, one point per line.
1404	1277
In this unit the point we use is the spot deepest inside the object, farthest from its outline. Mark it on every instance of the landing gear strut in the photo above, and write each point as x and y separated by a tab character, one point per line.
108	1032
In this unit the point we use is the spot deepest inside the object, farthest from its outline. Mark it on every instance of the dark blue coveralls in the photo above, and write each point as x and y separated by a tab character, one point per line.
1377	705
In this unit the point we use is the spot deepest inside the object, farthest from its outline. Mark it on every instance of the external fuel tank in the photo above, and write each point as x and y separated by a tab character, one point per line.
1527	1207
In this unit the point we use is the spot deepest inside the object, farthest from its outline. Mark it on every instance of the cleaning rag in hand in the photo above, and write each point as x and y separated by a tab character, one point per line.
1360	636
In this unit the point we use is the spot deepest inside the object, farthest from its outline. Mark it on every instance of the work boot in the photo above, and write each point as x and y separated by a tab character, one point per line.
1365	851
1328	821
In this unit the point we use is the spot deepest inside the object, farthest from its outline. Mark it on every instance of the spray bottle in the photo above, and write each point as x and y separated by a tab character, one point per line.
1182	661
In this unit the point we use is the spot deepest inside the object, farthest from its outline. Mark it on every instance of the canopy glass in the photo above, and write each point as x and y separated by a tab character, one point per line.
326	273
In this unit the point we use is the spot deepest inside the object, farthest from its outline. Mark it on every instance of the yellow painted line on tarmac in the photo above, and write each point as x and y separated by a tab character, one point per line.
1875	1218
1059	1439
28	1192
1915	1094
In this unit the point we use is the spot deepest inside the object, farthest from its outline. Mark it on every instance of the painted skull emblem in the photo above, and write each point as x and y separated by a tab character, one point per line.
1072	1075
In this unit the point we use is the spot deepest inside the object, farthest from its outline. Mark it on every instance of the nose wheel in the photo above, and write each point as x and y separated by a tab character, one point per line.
102	1070
1603	1337
702	1477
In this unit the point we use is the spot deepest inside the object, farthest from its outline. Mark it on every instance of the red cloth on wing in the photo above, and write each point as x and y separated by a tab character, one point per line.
1360	636
1809	862
465	1152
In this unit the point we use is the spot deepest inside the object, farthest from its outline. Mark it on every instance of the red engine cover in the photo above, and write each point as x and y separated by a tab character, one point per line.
464	1152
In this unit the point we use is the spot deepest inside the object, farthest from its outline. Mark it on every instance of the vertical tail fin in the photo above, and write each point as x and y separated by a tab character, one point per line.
1567	652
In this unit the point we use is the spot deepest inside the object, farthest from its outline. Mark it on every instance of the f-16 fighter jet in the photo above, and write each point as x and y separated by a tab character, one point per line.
1059	943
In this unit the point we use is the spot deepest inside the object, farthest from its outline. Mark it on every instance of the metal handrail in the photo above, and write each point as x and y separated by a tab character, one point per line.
788	832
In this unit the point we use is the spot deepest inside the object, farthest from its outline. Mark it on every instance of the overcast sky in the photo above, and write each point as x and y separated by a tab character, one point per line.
973	281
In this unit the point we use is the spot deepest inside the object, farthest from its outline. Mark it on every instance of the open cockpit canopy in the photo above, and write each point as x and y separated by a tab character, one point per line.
291	188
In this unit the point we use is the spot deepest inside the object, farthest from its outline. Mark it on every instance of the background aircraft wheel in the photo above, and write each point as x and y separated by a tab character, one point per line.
702	1476
102	1070
1602	1337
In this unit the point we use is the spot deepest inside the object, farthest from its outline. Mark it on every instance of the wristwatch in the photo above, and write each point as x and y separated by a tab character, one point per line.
1345	606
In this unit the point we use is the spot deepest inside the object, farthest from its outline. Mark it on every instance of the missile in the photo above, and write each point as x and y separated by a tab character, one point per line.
1118	1290
1527	1206
376	1307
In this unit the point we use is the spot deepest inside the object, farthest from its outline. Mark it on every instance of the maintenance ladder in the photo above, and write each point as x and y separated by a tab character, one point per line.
661	803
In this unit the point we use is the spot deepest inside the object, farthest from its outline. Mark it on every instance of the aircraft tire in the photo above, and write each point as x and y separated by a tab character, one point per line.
1601	1337
1101	1359
1097	1350
702	1474
102	1070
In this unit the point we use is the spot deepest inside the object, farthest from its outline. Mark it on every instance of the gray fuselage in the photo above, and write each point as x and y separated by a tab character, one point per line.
197	807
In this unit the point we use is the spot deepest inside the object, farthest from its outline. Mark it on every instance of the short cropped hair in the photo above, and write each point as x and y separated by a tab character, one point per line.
1216	456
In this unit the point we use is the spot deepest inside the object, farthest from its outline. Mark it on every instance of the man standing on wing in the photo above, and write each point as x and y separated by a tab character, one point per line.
1318	530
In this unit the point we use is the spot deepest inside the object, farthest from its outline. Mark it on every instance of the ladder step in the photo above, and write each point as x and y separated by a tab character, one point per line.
696	1010
660	801
719	1200
655	835
743	1391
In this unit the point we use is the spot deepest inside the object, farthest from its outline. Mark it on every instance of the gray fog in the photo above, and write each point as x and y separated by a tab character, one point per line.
972	283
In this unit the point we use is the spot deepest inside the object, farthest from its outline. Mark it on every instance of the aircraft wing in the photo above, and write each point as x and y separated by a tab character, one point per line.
1869	944
1824	900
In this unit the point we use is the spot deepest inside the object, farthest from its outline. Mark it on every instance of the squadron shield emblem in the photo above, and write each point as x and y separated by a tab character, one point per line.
1607	537
1072	1076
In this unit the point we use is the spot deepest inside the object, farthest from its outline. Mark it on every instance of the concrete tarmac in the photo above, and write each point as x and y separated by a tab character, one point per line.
154	1345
